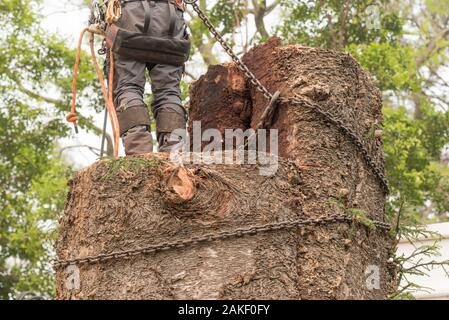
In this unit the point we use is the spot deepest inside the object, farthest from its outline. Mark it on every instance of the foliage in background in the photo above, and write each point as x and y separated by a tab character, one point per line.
31	198
32	179
404	44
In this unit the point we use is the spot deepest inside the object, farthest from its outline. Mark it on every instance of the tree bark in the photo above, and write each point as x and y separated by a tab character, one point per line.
120	207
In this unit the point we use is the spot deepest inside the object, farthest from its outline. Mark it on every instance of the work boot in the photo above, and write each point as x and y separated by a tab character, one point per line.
138	140
169	142
135	125
171	128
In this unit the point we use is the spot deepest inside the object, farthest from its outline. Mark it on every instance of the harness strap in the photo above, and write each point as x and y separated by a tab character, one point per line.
178	3
172	9
146	7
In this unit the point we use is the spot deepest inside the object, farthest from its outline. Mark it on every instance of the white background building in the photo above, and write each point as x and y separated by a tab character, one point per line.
437	282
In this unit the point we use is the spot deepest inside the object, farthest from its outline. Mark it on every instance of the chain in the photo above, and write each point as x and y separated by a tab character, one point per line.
164	246
229	50
336	218
347	131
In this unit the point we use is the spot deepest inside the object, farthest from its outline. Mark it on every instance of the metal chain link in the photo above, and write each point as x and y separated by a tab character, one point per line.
164	246
347	131
229	50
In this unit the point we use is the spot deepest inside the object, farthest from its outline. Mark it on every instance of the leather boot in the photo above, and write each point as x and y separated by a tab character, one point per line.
171	128
169	142
138	140
135	125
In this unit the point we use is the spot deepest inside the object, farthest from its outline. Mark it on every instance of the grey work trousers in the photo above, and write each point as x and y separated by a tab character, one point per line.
129	75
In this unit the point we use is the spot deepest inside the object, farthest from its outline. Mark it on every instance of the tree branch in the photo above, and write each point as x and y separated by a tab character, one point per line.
273	6
432	47
98	131
260	7
190	75
94	150
37	96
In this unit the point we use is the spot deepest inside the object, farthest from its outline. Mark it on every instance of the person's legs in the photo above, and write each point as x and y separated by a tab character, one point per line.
168	111
159	19
129	86
132	113
167	107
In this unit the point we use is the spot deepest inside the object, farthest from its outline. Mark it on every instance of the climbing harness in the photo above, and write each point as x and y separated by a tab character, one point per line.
223	235
144	47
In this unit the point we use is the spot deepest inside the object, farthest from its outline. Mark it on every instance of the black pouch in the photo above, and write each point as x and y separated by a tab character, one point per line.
145	48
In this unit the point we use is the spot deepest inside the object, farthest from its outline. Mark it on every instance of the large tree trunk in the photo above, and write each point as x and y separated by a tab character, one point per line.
137	202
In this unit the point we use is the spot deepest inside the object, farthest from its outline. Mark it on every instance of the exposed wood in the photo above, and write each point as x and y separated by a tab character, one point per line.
320	173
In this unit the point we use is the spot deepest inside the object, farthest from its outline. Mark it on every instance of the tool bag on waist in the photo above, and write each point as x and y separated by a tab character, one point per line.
151	49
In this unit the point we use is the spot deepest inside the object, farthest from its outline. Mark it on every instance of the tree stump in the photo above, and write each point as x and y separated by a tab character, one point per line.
136	202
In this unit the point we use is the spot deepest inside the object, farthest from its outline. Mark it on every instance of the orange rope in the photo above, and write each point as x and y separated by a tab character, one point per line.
108	96
108	100
72	116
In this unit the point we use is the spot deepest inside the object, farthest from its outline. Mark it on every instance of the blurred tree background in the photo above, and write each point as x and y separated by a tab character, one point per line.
404	44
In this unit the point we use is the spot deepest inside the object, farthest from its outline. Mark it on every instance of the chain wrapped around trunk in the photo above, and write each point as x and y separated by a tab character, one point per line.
253	230
223	235
295	101
347	131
